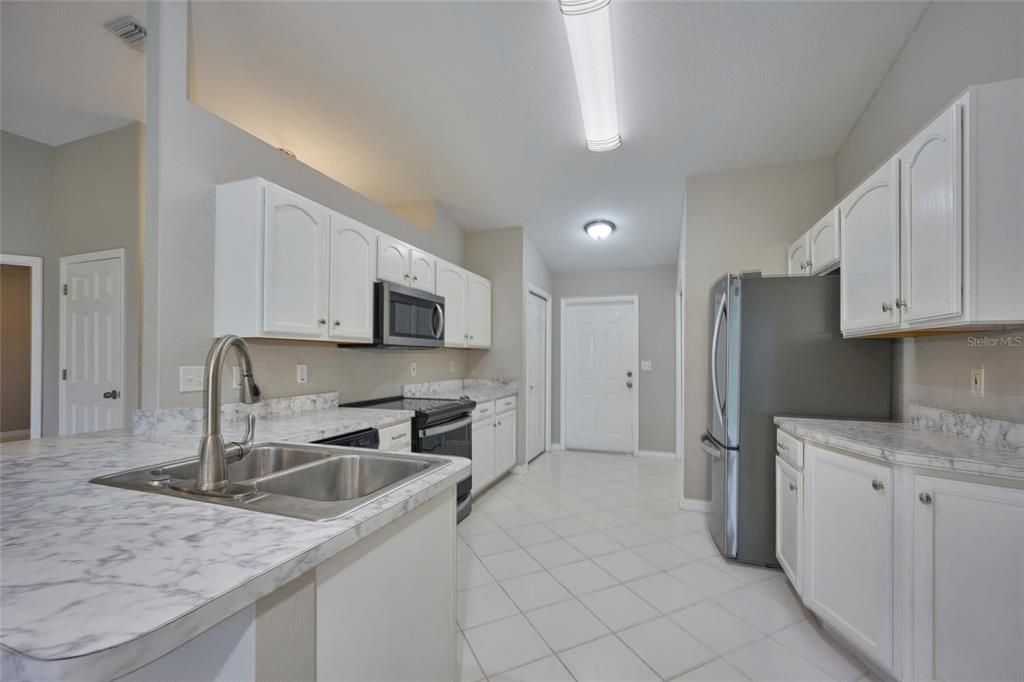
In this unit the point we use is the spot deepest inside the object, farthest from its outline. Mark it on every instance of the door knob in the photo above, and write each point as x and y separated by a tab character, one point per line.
113	395
629	384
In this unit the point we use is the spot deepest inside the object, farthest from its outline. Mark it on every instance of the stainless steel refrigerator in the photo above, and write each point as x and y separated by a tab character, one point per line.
776	349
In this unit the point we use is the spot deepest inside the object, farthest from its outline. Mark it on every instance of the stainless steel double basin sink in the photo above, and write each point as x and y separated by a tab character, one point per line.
314	482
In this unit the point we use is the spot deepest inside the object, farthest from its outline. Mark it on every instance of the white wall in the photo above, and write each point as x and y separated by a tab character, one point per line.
956	44
655	288
737	221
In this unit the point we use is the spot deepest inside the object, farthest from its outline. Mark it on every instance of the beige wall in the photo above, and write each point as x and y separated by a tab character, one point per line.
955	45
189	151
737	221
80	197
15	348
655	288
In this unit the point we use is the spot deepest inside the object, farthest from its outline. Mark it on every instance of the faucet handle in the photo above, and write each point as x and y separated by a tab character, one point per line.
238	450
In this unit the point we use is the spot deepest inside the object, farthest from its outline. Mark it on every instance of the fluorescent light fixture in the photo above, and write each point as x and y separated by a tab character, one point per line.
599	229
588	25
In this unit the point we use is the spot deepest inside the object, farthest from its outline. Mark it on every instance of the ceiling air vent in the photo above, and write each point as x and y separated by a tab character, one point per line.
129	30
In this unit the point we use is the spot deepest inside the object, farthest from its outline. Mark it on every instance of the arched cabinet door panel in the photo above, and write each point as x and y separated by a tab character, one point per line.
293	284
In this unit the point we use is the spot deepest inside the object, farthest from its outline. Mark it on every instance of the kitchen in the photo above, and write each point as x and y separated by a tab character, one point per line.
572	564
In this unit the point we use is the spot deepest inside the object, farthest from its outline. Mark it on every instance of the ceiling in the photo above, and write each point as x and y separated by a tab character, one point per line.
64	76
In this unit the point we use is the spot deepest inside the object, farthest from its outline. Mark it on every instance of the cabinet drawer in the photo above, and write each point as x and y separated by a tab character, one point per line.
505	404
396	438
483	411
790	449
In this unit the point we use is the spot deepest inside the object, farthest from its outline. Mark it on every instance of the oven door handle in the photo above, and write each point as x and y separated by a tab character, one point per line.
446	428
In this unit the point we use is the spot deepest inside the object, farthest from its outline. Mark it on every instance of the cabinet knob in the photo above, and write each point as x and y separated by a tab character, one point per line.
792	487
809	265
886	308
925	498
877	485
322	321
900	303
112	395
803	266
406	276
415	278
337	323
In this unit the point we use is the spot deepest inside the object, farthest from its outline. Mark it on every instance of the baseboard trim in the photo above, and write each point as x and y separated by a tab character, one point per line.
657	454
520	468
702	506
556	446
19	434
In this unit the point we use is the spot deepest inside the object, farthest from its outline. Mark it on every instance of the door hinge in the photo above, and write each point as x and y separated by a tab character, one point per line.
65	289
64	374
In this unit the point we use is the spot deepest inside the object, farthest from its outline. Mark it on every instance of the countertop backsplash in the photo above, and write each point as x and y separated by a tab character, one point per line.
973	427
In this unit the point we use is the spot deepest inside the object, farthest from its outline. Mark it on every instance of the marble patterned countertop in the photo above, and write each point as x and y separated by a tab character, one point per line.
478	390
909	445
96	581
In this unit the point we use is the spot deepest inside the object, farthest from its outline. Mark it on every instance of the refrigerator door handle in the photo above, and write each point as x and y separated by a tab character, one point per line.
714	357
709	447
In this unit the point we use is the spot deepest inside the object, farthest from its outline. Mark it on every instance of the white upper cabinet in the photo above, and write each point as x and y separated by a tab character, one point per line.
796	257
870	247
353	260
393	260
421	270
293	296
930	227
453	285
478	323
823	244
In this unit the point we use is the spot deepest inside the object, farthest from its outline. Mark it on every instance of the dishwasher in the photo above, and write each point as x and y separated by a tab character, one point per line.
367	438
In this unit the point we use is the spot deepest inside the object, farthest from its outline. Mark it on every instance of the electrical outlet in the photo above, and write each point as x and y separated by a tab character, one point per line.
302	374
451	367
190	379
645	365
412	368
978	381
236	377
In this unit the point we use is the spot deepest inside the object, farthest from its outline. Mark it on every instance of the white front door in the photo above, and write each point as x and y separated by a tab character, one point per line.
536	375
600	358
92	344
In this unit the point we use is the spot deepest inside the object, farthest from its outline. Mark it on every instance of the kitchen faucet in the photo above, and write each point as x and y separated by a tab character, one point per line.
212	470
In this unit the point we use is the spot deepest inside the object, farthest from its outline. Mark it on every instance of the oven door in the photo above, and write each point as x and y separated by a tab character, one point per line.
407	317
453	438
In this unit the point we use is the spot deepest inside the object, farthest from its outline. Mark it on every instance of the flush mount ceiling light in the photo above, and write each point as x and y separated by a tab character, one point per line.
588	25
599	229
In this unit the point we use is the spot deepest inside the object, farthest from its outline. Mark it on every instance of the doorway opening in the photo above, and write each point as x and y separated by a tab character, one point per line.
21	347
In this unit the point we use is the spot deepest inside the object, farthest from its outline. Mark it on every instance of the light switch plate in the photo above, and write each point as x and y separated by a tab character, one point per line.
302	374
645	365
190	379
978	381
412	368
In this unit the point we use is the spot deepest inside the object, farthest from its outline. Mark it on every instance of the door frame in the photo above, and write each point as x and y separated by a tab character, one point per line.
35	266
547	298
633	300
65	261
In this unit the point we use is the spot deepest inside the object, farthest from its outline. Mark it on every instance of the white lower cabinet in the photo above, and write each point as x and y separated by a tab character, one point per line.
494	441
505	441
849	532
789	505
968	581
483	453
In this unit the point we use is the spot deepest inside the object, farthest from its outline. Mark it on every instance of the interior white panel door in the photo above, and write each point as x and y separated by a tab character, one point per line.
393	260
968	581
479	312
294	289
453	285
352	273
930	221
600	355
869	234
92	347
421	270
536	375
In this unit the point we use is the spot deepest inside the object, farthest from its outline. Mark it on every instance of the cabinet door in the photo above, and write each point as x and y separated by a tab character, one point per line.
478	322
483	454
797	258
421	269
823	244
294	288
453	283
849	527
789	521
869	237
504	442
930	222
393	260
968	580
352	272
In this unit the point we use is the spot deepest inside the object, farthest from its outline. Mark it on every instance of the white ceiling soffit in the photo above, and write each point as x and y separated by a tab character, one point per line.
64	75
474	103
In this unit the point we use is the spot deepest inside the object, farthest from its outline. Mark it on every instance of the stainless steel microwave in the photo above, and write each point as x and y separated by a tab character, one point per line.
404	317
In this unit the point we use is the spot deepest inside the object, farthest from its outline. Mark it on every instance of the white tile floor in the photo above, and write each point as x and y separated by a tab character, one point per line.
585	569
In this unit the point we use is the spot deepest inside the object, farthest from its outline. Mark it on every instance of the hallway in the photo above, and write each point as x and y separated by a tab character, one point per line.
586	569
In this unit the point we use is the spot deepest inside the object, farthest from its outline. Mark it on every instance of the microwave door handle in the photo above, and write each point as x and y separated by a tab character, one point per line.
714	356
446	428
439	329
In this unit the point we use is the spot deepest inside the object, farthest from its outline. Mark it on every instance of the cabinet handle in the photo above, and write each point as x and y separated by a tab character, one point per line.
877	485
886	308
925	498
322	321
792	487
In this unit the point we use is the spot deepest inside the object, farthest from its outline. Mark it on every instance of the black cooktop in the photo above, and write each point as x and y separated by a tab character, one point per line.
429	409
